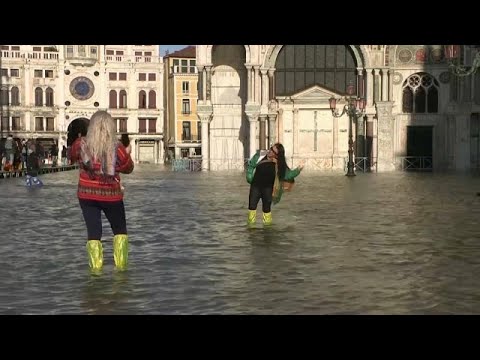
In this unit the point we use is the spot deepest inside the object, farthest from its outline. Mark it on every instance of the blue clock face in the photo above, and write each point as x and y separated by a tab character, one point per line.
82	88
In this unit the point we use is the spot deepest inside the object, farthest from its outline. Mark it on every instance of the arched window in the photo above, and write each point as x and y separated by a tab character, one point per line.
38	97
49	97
299	67
15	94
142	100
113	99
152	100
123	99
420	94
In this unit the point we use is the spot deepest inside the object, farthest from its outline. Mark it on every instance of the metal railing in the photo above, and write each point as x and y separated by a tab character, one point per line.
191	138
362	164
187	164
415	163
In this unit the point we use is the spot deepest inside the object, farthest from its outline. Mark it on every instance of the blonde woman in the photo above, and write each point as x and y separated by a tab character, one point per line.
101	158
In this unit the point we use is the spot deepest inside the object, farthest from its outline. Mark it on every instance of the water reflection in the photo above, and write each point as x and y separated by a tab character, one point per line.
106	294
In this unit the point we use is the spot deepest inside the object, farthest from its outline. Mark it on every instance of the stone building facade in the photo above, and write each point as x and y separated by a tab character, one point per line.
46	90
417	115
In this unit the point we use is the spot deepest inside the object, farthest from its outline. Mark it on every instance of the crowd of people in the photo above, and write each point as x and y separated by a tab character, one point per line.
14	153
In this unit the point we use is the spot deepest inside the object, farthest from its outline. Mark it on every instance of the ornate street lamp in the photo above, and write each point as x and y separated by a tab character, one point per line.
354	107
452	55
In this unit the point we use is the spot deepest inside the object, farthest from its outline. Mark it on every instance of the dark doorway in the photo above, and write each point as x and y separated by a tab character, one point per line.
419	147
77	126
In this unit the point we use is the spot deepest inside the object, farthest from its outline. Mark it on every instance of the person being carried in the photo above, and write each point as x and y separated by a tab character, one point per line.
101	159
268	177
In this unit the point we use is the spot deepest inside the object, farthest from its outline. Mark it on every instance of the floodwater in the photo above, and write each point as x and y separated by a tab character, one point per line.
400	243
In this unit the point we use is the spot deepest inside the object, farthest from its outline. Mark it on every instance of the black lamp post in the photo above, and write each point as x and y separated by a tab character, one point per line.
354	107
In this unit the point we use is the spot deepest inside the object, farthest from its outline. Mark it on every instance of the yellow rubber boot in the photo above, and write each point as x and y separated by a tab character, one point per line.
252	217
95	254
120	250
267	218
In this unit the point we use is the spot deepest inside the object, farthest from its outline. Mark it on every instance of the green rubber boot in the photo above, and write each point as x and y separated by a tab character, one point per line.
252	217
95	254
120	251
267	218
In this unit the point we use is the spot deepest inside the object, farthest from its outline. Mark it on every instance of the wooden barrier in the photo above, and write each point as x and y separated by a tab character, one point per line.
43	170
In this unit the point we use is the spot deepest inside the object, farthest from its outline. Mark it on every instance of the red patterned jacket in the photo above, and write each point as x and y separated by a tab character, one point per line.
92	186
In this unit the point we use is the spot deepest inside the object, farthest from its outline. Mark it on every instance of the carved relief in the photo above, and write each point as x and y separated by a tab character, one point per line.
397	78
405	56
272	106
444	77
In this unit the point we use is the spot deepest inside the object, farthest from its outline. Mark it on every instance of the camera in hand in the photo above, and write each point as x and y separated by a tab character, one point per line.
125	140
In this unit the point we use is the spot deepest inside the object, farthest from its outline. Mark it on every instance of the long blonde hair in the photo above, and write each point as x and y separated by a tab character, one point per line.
101	138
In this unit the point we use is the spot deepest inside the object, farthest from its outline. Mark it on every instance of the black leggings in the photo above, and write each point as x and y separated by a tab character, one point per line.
257	193
92	213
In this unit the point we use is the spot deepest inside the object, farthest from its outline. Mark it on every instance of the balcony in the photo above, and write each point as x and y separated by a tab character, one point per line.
136	59
82	61
191	139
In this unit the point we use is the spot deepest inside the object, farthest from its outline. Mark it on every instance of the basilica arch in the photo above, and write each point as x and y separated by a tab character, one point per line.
361	55
210	53
228	127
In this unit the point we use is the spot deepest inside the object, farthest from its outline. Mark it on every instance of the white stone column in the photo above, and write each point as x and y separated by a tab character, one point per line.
360	137
264	101
262	133
370	80
384	95
205	120
204	84
295	131
390	85
360	83
252	118
272	129
280	126
201	83
271	84
208	85
335	136
257	89
249	83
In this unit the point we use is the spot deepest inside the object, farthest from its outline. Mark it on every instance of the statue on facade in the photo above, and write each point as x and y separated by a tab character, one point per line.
463	70
272	106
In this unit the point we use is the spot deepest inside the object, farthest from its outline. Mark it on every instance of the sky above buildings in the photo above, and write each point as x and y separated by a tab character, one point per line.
170	48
